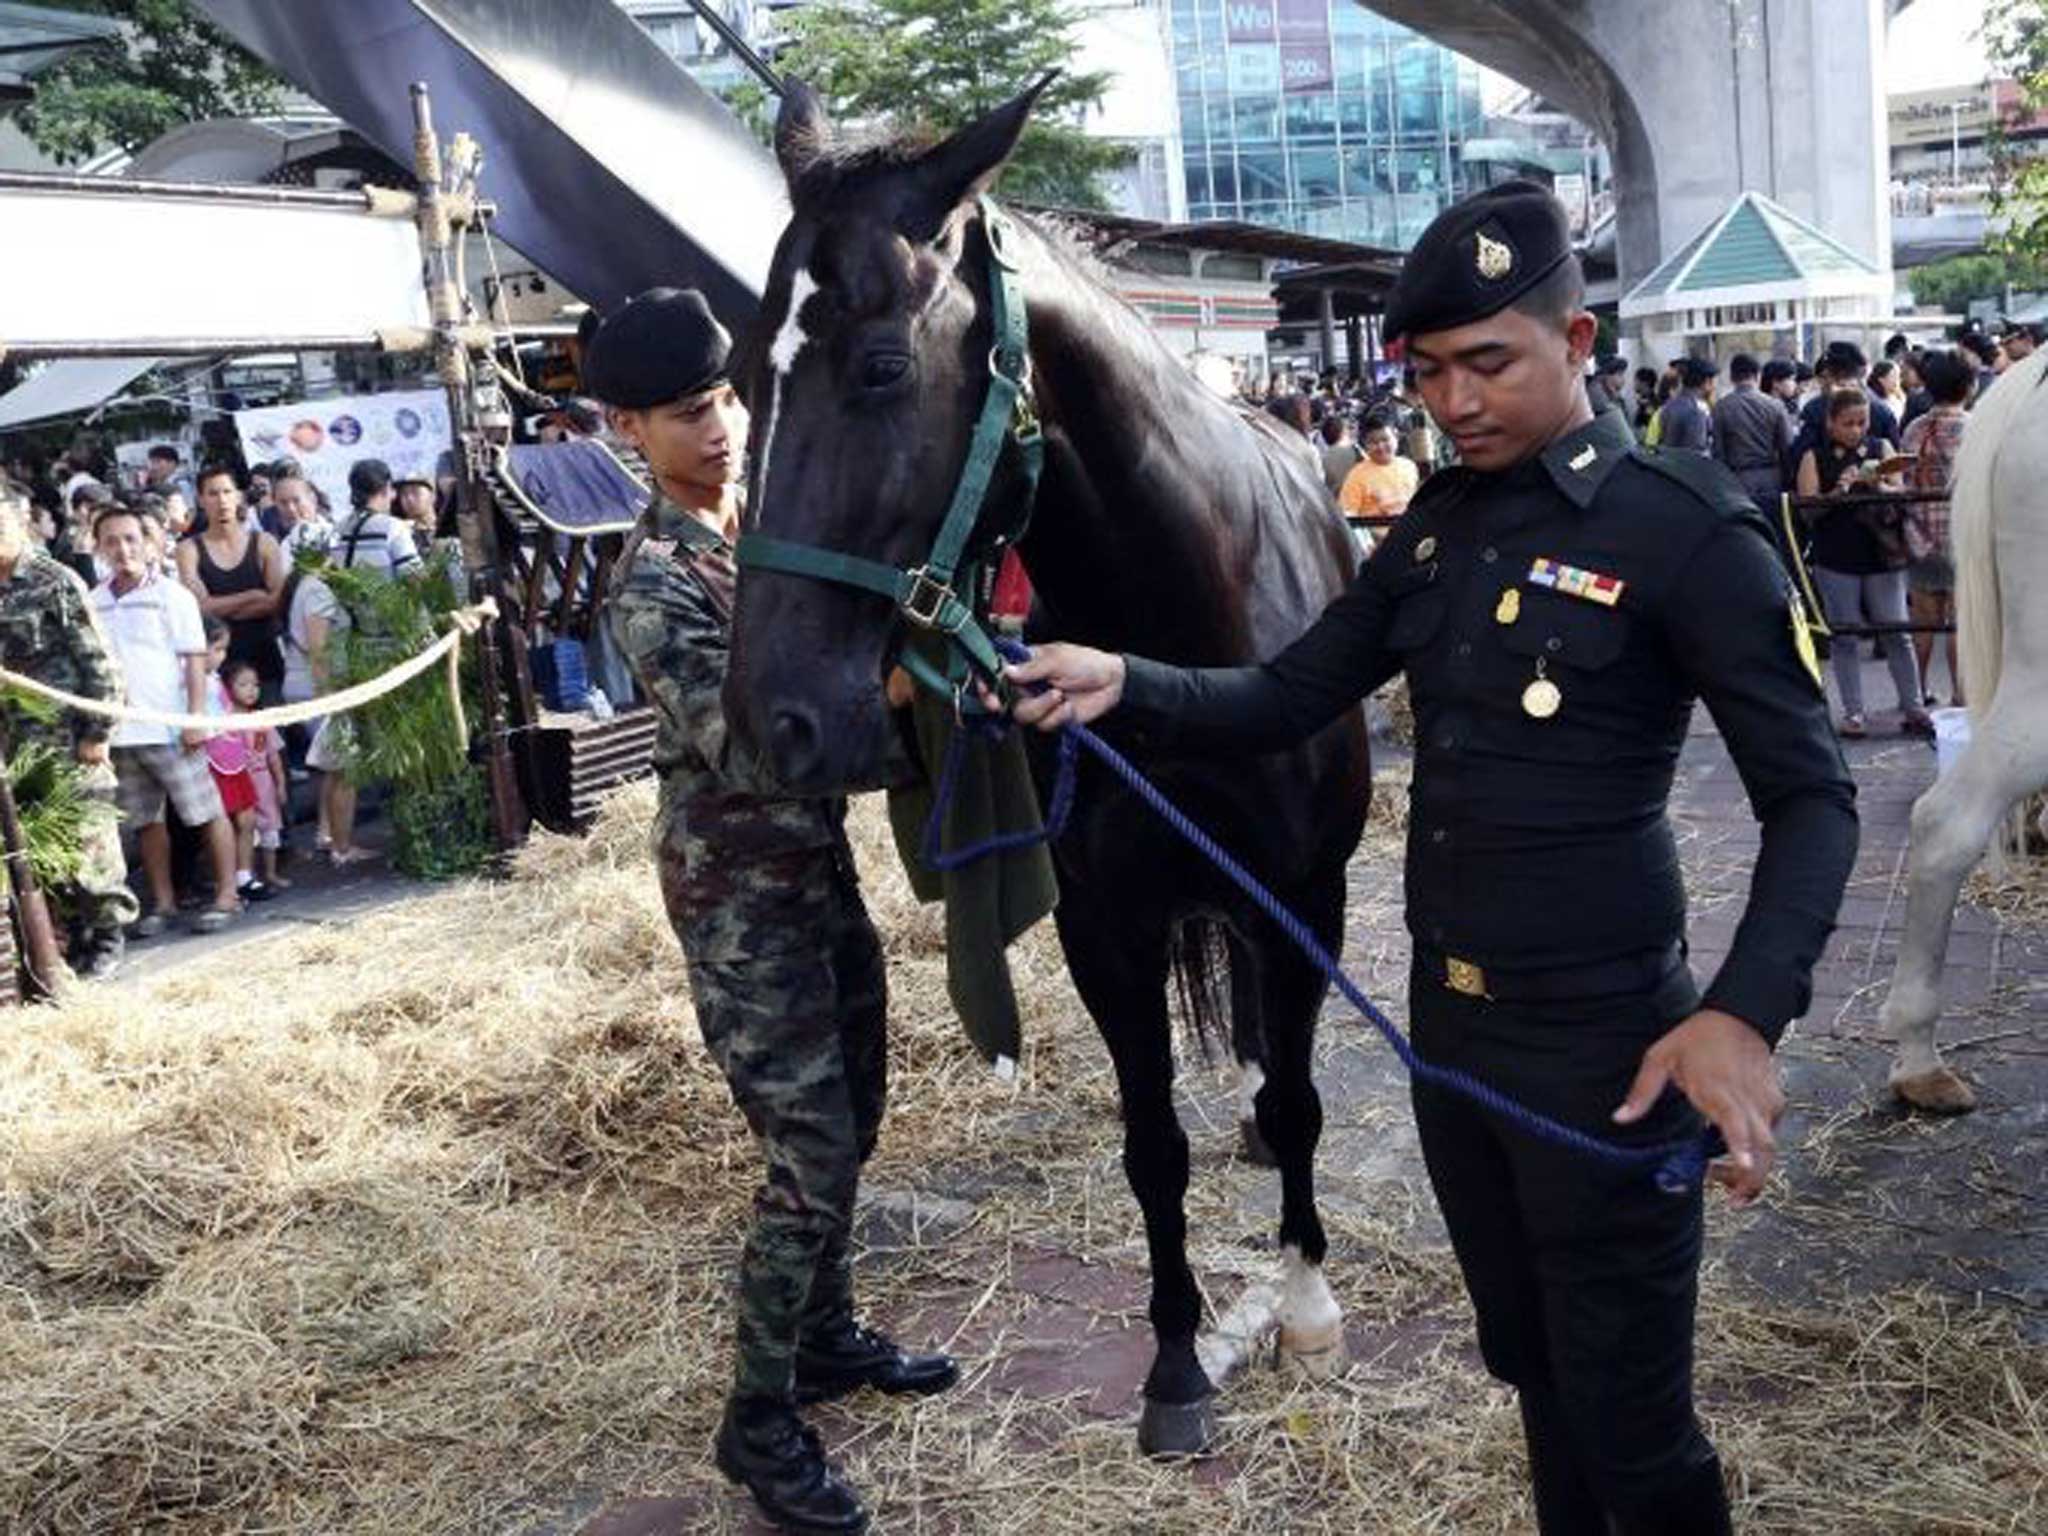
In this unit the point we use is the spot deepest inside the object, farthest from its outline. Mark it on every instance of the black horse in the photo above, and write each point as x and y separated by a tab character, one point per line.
1166	522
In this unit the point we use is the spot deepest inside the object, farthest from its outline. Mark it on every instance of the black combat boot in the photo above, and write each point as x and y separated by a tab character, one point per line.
835	1355
102	953
775	1456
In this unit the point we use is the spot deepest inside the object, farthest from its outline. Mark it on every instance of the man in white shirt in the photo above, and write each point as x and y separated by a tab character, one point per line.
154	627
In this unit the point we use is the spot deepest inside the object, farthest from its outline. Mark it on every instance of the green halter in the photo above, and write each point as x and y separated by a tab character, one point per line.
944	596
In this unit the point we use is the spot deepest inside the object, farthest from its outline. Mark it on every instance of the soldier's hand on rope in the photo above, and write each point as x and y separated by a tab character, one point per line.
1079	685
194	741
899	688
1728	1072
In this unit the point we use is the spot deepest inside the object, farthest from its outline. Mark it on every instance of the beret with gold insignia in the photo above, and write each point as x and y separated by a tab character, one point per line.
1477	257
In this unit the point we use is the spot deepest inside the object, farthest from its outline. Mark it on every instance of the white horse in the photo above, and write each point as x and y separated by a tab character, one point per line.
2000	529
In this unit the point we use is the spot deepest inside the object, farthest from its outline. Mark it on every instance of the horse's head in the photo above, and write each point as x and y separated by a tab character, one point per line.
865	377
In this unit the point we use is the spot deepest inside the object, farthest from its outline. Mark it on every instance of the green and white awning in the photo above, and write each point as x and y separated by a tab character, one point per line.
1756	253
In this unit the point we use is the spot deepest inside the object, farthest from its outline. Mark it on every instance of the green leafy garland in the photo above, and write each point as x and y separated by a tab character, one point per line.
408	738
56	809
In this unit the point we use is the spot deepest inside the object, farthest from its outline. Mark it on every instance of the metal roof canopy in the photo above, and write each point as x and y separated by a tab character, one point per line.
1232	236
33	39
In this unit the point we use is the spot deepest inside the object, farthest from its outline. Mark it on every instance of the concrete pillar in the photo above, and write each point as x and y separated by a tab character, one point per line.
1326	303
1354	345
1698	102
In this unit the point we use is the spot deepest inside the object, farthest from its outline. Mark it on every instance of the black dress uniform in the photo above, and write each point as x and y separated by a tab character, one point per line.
1556	623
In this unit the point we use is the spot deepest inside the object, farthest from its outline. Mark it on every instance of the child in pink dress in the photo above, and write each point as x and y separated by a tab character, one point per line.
265	767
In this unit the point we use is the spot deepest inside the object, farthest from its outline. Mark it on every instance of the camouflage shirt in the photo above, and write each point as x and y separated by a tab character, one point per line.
47	632
741	862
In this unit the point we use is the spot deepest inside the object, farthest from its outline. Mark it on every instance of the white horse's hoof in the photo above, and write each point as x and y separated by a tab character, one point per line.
1936	1090
1316	1352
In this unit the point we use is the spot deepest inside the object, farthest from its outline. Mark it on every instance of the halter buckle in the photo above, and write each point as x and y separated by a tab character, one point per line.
924	601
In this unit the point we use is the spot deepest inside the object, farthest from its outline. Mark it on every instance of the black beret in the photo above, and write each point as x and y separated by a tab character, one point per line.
1477	257
660	346
1695	371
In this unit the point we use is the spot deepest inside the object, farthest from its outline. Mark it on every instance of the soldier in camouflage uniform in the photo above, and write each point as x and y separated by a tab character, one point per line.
784	966
47	632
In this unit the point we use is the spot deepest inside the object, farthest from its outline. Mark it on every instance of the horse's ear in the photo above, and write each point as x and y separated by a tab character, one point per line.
950	173
800	129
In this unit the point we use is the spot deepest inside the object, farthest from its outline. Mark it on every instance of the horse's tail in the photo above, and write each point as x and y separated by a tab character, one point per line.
1204	980
1980	616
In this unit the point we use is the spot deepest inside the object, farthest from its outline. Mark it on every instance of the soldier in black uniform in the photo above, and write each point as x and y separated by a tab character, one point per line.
1558	602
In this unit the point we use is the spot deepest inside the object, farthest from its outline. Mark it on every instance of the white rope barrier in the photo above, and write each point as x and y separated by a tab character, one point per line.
466	620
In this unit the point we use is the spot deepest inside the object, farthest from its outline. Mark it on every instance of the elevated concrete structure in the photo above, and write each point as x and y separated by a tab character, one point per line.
1701	102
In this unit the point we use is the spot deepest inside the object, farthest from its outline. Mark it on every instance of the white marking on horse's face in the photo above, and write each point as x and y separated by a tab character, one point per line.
789	340
1251	1077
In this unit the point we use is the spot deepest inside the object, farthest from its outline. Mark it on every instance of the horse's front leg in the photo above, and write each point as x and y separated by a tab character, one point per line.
1952	824
1290	1115
1119	967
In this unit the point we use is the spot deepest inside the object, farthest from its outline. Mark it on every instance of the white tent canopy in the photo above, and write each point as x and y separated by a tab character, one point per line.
135	267
68	386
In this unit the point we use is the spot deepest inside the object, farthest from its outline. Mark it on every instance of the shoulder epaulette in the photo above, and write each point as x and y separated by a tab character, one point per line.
1708	480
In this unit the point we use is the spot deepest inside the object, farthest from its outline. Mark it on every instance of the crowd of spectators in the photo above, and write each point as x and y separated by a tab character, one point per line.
1866	448
206	588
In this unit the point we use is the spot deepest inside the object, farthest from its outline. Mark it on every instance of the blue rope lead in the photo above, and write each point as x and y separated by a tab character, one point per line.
1676	1166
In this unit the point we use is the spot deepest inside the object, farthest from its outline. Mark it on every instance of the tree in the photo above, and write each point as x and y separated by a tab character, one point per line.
2016	42
939	64
171	67
1951	285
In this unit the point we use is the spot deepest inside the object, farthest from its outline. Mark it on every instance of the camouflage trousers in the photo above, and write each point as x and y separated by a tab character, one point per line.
97	905
800	1037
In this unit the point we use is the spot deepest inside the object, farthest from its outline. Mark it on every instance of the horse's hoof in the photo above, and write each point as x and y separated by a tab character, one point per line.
1936	1090
1318	1353
1256	1151
1177	1429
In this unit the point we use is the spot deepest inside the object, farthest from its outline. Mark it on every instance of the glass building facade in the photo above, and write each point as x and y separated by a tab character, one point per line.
1319	116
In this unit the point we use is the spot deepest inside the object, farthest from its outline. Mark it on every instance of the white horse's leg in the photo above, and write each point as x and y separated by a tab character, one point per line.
1952	825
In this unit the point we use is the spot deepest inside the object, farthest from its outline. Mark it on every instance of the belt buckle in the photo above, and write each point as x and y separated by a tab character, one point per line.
1463	977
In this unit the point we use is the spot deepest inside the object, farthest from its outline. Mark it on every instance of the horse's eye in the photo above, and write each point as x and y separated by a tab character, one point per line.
884	369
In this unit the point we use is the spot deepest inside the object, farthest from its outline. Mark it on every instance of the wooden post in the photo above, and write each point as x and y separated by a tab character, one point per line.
509	816
42	958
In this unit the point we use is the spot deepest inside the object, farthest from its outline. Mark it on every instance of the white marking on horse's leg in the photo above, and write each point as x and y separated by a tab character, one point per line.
782	352
1952	824
1251	1077
1311	1322
1239	1333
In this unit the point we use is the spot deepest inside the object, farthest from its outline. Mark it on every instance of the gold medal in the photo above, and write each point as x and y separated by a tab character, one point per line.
1541	699
1510	608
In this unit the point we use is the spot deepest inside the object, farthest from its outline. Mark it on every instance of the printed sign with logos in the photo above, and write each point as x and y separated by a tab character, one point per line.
407	430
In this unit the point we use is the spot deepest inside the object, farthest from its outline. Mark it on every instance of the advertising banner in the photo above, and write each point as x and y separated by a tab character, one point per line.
407	430
1248	21
1305	60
